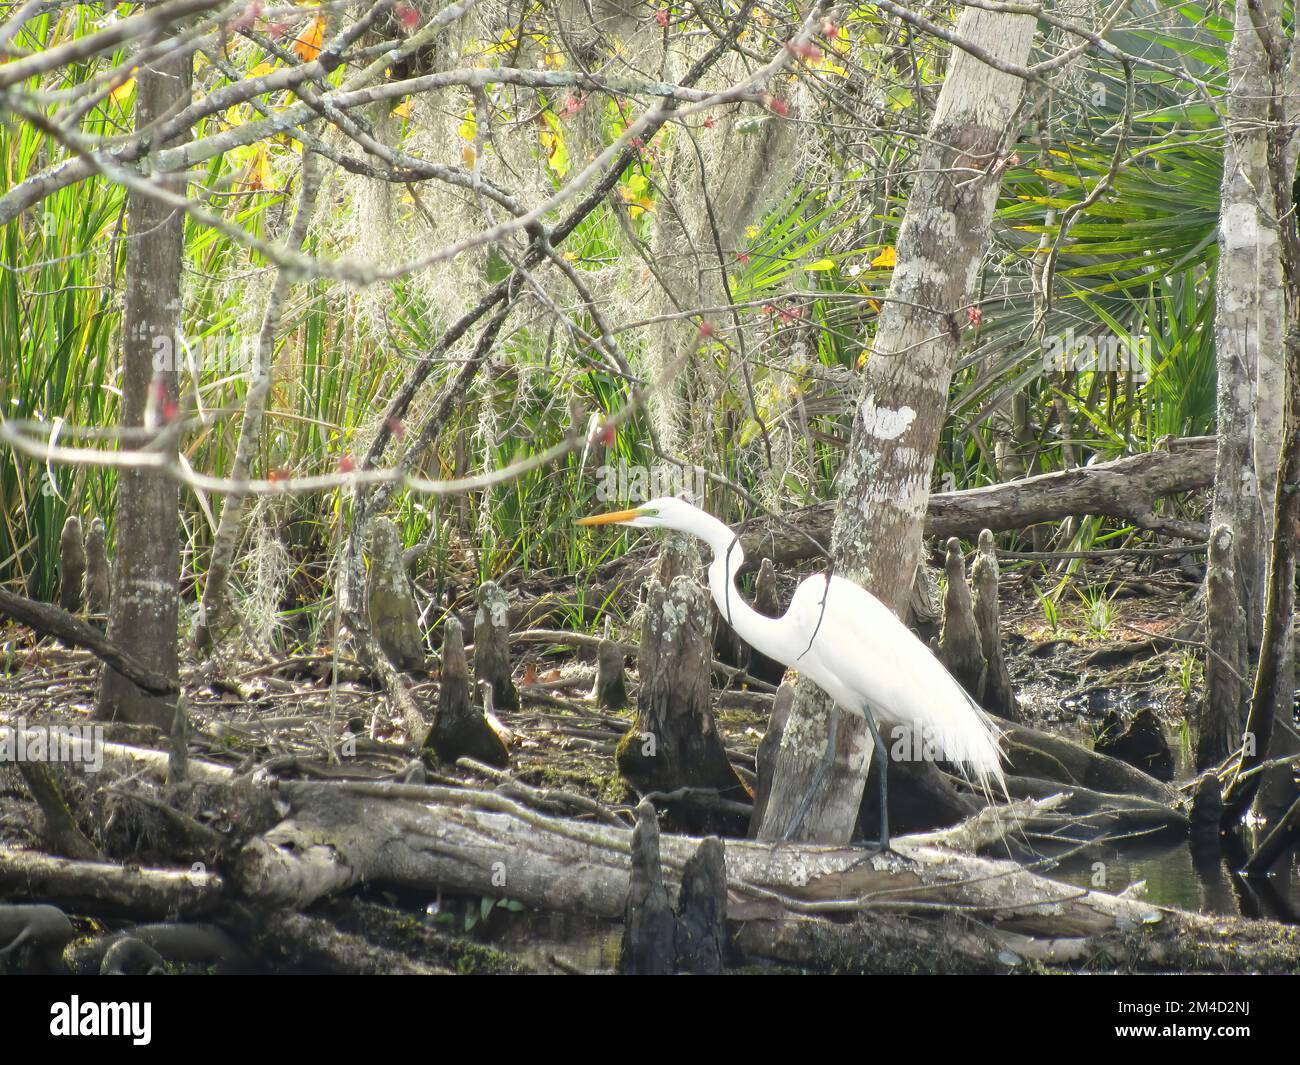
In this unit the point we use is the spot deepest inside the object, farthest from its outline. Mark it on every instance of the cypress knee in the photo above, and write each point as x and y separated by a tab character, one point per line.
648	946
459	728
492	646
767	600
675	742
72	565
959	642
610	690
97	575
998	693
390	606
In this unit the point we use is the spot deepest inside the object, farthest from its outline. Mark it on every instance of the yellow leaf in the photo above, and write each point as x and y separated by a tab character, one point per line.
258	173
123	92
887	257
308	44
469	127
261	69
402	110
751	232
820	266
469	154
862	359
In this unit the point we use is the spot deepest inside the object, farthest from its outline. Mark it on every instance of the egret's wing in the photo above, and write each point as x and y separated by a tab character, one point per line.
864	656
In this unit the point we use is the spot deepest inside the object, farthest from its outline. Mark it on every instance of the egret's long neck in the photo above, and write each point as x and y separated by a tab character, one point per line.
757	630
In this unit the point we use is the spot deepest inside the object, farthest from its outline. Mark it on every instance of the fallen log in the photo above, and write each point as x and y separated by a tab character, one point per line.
104	887
338	836
39	931
1030	752
1122	488
51	621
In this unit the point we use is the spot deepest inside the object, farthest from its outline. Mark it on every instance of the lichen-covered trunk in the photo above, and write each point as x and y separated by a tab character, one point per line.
1250	311
1255	320
884	483
143	617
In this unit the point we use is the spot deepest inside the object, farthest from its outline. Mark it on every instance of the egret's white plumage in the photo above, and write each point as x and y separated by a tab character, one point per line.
848	643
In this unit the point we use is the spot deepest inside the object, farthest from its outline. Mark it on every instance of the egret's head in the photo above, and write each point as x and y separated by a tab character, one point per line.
666	512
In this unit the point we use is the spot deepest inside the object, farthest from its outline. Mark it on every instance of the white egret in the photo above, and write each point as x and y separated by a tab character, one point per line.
853	647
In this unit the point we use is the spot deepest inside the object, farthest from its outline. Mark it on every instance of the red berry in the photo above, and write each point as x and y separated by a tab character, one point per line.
409	17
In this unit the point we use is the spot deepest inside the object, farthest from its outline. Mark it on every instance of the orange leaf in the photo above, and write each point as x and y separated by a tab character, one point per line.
308	44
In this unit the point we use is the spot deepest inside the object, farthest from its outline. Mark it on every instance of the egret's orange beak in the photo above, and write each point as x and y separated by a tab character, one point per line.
612	518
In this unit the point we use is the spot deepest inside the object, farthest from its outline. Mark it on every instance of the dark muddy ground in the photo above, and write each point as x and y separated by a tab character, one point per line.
1083	666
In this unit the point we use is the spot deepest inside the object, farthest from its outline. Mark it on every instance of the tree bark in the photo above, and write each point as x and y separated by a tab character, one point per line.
145	609
1257	333
883	484
1222	711
1250	307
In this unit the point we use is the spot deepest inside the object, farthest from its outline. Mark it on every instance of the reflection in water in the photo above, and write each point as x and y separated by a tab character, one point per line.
1200	879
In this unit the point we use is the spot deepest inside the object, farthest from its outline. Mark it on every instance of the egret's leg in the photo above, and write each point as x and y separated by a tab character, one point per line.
832	738
882	768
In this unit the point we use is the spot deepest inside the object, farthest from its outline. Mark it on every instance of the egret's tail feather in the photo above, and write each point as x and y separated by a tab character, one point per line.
979	753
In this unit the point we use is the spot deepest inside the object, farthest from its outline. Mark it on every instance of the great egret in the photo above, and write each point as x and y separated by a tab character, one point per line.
853	647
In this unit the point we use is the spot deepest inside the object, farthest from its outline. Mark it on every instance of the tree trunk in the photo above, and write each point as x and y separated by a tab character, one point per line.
144	611
1256	336
884	482
1222	716
1250	311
